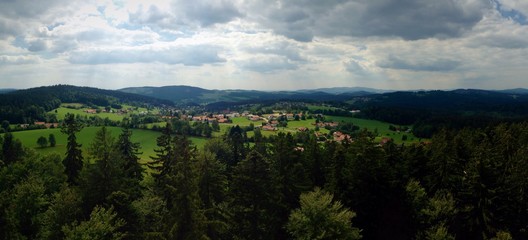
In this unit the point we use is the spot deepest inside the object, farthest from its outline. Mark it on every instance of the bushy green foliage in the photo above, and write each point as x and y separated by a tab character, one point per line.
319	217
42	142
103	224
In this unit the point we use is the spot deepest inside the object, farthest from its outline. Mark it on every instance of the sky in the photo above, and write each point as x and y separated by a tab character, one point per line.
265	44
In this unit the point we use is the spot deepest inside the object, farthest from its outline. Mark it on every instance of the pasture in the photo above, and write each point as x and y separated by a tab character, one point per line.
79	109
146	139
382	128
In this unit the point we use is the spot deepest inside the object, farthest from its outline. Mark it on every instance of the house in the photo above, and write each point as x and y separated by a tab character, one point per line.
199	118
254	118
50	125
302	129
385	140
340	137
233	115
224	120
269	128
327	124
299	149
91	110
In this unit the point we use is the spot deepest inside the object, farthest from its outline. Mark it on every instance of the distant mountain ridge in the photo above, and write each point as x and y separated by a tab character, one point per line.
187	94
6	90
341	90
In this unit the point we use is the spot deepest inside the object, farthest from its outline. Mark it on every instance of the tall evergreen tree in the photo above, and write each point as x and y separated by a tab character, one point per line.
185	219
11	149
253	199
73	162
289	176
128	152
212	190
236	139
103	176
162	163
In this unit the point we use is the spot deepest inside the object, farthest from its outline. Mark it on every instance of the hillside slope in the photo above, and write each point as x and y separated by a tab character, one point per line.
26	106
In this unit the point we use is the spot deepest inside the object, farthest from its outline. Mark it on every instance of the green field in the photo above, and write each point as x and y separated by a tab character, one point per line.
312	107
79	110
373	125
146	138
62	111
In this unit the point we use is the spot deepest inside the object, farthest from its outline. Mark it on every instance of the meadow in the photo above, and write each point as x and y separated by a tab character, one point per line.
78	109
146	139
382	128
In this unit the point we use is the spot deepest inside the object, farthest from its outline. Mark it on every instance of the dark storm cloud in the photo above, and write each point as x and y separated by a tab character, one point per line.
432	65
188	55
408	19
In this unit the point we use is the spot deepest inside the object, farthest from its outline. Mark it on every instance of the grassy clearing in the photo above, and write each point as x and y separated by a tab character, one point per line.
373	125
243	121
78	109
312	107
146	138
62	111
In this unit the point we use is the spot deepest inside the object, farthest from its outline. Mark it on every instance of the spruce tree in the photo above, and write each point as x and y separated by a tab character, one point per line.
11	149
73	162
253	199
128	152
185	219
161	164
103	176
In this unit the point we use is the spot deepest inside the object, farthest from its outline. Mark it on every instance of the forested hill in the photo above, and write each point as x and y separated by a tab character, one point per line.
188	94
31	104
429	111
6	90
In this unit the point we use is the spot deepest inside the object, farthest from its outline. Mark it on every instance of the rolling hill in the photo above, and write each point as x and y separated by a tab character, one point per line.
187	94
26	106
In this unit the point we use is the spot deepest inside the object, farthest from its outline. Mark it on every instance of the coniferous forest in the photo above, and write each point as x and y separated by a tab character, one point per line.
464	184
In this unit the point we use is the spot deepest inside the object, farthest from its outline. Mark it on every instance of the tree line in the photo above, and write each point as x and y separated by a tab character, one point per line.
466	184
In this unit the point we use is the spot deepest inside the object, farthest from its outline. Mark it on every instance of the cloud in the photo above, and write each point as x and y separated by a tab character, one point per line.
432	65
407	19
18	60
266	64
207	12
38	45
197	55
516	10
289	50
182	14
354	67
